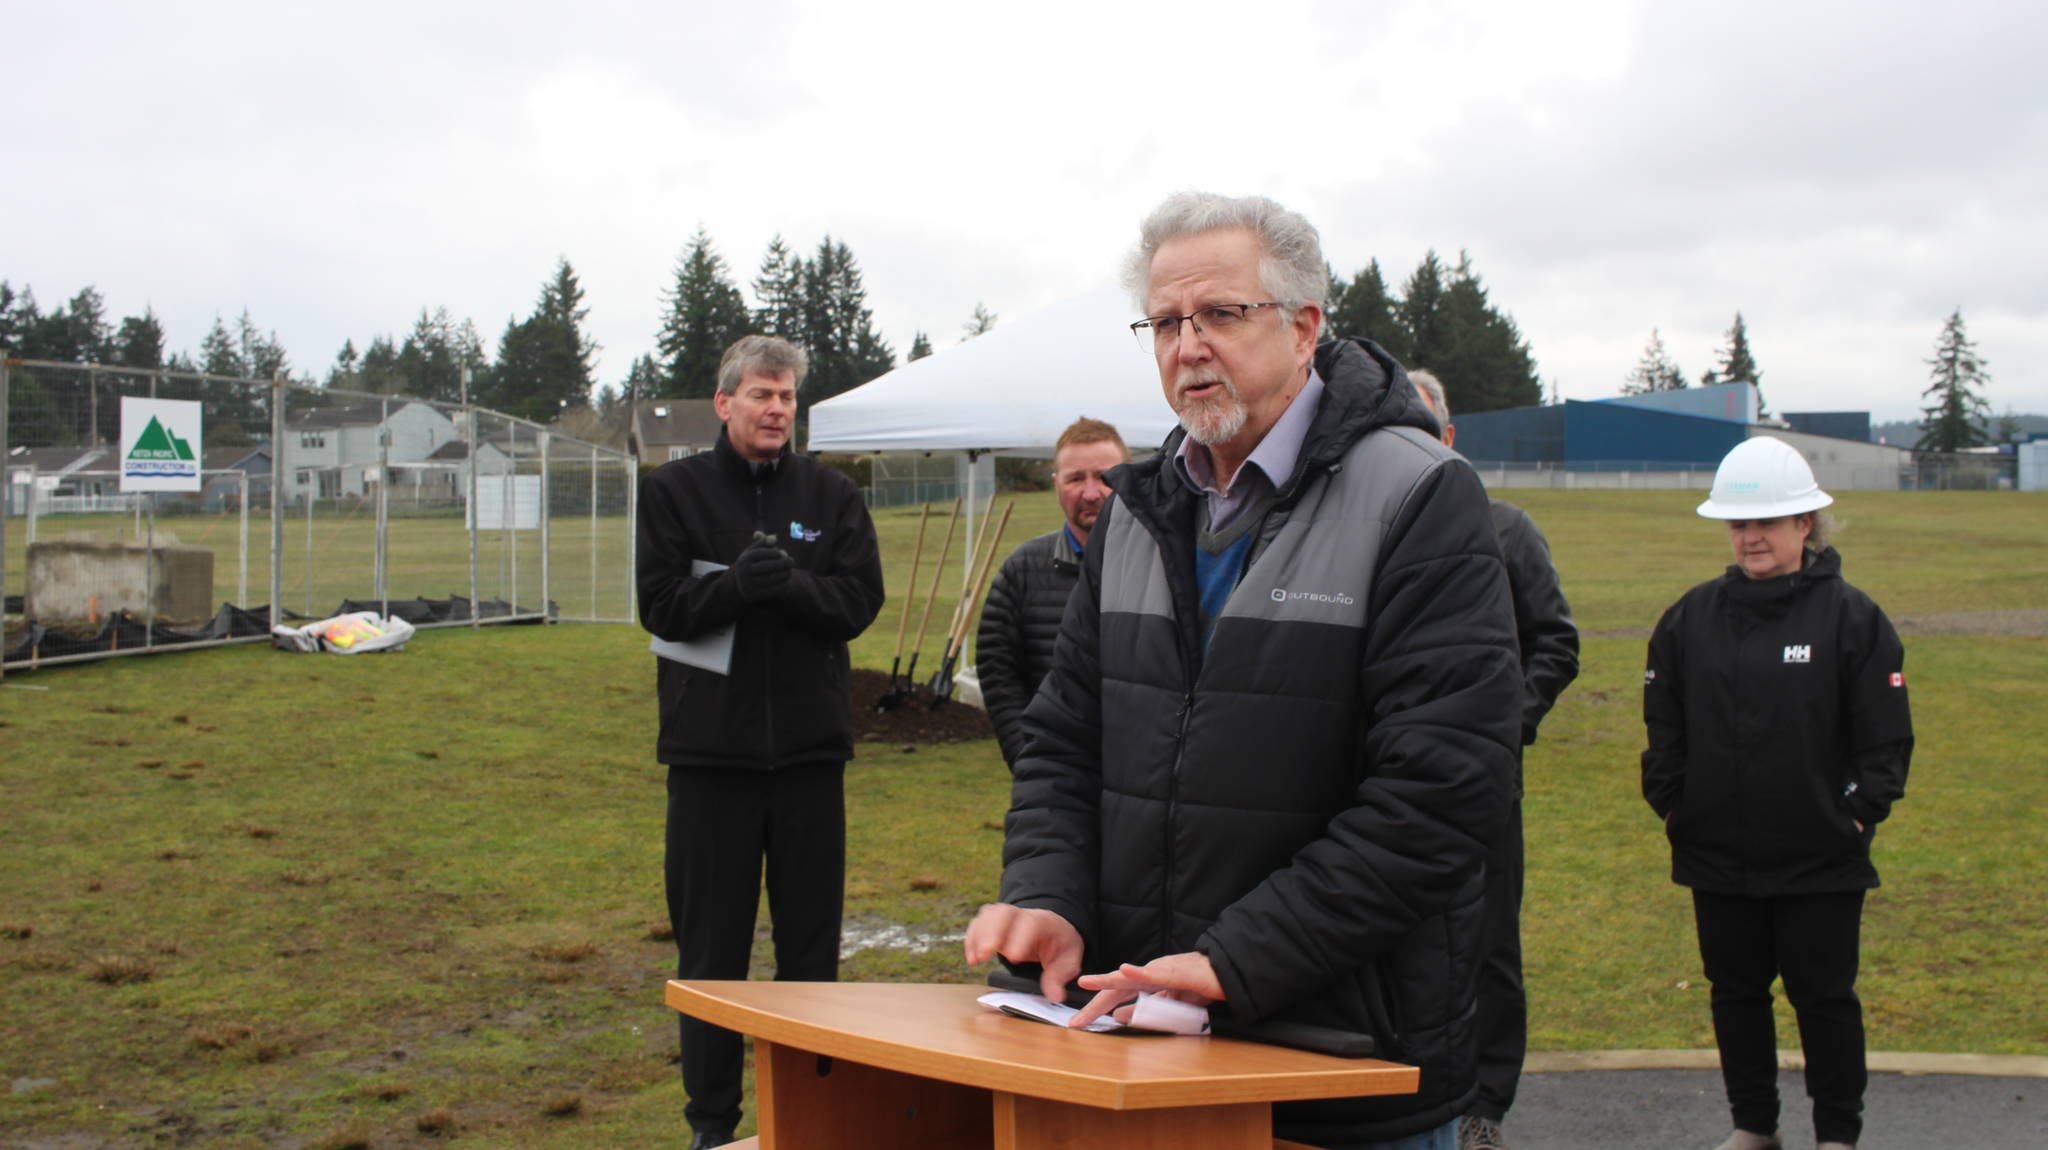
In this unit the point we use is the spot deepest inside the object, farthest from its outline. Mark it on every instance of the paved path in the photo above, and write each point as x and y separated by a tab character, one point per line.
1685	1110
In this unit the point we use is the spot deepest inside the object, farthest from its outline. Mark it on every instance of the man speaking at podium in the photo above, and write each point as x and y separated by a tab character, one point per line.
1280	724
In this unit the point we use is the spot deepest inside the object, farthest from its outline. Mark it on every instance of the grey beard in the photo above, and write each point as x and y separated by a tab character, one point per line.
1209	424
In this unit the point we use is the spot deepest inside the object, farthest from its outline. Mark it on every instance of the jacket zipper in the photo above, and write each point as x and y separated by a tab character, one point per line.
1180	750
767	647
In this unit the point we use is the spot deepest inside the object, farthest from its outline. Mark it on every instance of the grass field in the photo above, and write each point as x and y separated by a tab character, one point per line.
251	899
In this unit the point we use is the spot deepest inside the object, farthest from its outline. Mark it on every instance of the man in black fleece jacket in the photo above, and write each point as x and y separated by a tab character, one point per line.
1550	661
752	536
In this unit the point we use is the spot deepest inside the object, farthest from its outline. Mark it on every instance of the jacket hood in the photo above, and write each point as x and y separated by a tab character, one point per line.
1772	596
1364	389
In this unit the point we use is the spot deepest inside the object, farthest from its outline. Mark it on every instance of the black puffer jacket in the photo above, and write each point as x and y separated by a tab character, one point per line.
1778	720
1308	805
786	701
1020	621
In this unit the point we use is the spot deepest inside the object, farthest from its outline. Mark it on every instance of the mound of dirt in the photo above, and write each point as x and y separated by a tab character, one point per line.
915	720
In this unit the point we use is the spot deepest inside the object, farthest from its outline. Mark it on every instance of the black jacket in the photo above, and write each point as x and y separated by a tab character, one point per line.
1543	620
1019	623
786	701
1309	803
1777	719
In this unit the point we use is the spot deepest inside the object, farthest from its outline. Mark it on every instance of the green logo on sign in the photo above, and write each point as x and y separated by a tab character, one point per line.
158	446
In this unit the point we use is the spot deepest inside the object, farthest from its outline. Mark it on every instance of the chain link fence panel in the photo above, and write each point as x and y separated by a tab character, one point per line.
310	502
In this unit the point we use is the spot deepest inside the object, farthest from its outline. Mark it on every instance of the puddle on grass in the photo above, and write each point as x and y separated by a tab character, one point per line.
893	936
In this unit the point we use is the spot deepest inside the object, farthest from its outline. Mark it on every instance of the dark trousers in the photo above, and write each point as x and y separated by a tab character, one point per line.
1812	940
1503	1004
721	825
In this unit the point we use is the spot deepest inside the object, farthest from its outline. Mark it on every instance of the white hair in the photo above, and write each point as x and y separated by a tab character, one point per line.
1432	390
1291	267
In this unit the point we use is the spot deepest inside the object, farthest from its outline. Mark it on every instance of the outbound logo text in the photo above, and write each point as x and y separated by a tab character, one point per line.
1283	595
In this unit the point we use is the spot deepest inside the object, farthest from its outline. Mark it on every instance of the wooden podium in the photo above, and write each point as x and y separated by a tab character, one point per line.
846	1066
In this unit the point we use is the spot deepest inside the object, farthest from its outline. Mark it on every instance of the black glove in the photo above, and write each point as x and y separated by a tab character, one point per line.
761	573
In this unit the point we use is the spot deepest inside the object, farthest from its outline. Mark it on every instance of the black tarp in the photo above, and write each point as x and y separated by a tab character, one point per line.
123	631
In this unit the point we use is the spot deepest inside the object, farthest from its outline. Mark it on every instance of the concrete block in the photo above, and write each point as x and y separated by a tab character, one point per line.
75	582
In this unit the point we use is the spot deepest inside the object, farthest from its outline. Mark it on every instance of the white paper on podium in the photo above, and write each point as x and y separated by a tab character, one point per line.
1151	1012
712	650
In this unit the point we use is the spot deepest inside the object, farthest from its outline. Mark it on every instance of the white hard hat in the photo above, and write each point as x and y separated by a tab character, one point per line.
1763	478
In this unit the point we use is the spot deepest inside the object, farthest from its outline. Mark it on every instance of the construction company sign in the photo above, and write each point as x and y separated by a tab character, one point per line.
159	439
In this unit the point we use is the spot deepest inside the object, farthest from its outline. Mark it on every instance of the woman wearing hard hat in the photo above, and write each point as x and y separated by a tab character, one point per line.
1779	736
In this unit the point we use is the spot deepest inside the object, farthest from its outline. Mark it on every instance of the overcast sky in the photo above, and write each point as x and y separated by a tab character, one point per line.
1845	175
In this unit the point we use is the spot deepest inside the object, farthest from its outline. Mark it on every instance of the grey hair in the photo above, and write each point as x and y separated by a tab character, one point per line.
1291	267
1823	533
760	355
1432	389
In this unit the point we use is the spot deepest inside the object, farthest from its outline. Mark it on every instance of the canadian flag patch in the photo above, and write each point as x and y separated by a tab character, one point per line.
1898	678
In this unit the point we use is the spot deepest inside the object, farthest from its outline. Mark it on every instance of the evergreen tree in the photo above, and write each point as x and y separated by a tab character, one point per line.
35	419
562	303
348	368
839	332
1365	309
1484	363
1738	364
224	353
920	347
1955	418
1334	288
221	354
379	373
705	315
139	342
2009	432
73	334
643	381
262	357
778	289
428	365
980	323
86	337
1655	371
10	329
544	361
1422	314
31	334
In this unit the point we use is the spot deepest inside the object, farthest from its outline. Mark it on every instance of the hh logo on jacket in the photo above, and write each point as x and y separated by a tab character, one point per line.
1799	653
797	531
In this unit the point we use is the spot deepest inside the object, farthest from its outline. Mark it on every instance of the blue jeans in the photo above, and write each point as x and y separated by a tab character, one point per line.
1444	1137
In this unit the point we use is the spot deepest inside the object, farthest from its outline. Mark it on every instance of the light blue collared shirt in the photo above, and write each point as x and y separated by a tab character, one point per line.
1271	462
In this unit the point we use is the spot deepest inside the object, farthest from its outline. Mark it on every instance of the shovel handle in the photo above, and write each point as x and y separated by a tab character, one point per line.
971	569
982	579
931	596
916	553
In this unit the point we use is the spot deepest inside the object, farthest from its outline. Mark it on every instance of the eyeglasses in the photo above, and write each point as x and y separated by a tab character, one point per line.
1159	334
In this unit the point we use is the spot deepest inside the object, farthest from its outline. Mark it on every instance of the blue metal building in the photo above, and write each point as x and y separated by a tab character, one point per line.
1597	436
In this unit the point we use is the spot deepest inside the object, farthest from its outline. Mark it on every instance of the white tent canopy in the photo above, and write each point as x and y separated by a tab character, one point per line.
1009	391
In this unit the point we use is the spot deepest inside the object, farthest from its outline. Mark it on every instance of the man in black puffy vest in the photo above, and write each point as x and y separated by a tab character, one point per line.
1020	620
1284	705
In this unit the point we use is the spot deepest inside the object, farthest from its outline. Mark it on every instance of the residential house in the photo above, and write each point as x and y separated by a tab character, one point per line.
665	429
333	452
